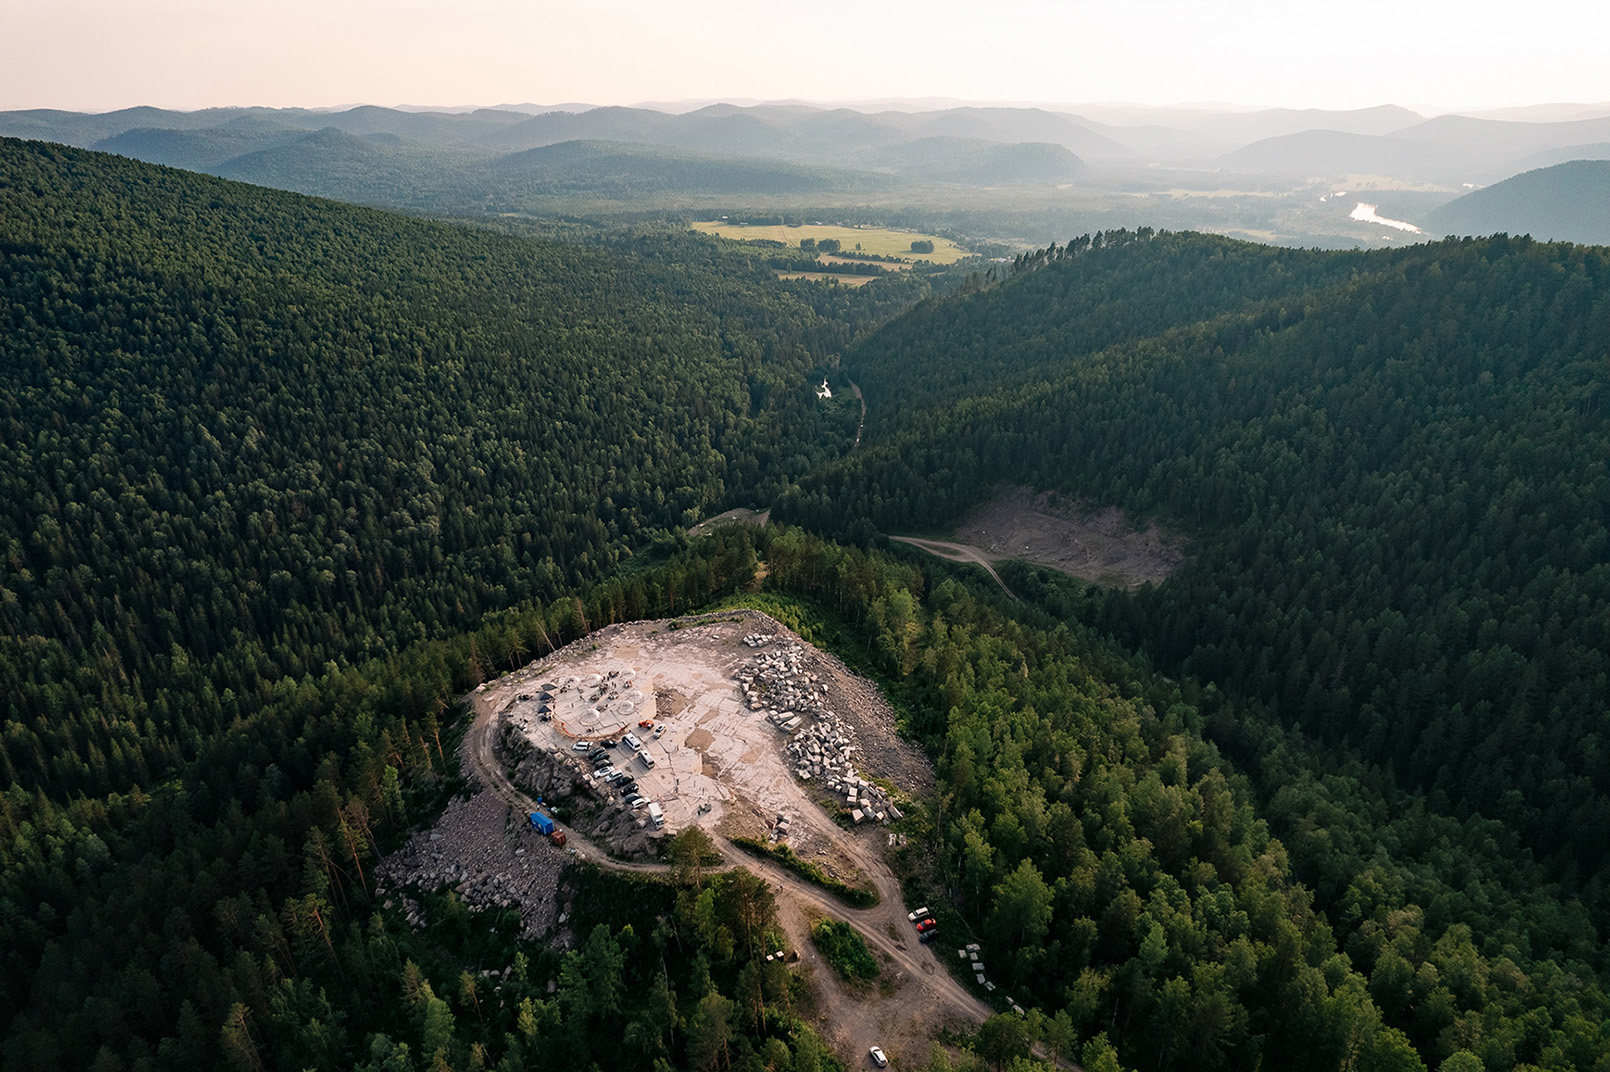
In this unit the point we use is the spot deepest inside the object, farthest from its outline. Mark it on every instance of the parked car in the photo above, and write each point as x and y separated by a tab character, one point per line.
610	742
878	1057
582	746
918	914
927	925
598	753
628	786
614	775
634	801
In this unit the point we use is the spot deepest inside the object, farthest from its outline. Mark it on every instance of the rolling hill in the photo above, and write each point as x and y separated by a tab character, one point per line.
1568	202
623	170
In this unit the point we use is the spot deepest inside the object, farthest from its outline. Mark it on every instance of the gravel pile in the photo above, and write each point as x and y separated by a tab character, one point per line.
489	854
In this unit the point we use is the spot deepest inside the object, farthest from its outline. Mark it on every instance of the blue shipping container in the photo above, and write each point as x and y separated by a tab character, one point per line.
541	822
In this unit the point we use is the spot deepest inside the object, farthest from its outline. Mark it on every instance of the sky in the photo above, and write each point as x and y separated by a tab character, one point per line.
1431	55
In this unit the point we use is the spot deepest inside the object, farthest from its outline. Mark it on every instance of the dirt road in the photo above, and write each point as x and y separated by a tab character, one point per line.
924	994
855	389
956	552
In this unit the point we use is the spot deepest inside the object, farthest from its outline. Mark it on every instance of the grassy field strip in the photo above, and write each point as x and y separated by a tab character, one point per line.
883	242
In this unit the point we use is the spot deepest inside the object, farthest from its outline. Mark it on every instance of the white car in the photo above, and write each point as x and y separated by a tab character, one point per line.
878	1057
582	746
918	914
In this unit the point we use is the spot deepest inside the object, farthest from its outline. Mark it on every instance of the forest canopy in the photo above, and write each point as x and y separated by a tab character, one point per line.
284	479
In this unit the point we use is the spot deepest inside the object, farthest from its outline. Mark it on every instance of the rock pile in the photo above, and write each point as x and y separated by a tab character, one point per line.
780	685
485	852
778	680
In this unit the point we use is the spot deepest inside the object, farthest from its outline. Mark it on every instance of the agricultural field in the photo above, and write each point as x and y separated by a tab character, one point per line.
877	240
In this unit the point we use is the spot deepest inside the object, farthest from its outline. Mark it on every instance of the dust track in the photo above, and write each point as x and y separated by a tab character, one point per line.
956	552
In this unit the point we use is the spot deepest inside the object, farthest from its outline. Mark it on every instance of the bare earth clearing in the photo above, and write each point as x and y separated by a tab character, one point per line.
741	515
721	761
1096	545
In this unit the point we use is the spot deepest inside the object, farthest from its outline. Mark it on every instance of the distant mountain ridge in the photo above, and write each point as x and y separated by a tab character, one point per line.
999	173
1449	149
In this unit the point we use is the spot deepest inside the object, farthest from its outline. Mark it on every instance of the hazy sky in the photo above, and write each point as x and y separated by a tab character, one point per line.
103	54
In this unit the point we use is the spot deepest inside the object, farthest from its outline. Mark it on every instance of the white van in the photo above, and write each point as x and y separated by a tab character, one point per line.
646	759
655	815
631	741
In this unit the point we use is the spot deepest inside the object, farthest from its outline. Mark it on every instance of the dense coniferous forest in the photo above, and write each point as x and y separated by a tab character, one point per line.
250	438
1395	483
248	433
1391	468
1088	820
284	478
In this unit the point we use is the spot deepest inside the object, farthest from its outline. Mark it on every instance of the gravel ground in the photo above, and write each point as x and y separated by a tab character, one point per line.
489	854
881	751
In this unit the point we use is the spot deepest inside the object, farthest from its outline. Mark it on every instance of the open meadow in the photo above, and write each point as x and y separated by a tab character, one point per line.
876	240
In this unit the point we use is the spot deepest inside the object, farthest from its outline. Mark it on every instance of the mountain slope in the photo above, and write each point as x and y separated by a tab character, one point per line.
1370	444
1389	468
385	374
623	170
1568	202
1337	154
197	150
971	162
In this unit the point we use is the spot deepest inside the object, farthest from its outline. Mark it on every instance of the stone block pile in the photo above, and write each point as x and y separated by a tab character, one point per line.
779	685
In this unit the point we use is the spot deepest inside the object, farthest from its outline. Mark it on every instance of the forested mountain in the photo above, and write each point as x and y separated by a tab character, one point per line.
994	174
1448	150
1568	202
621	169
250	439
200	150
974	162
248	433
1391	465
283	477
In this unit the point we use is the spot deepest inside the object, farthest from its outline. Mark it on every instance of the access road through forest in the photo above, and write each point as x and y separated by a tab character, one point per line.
956	552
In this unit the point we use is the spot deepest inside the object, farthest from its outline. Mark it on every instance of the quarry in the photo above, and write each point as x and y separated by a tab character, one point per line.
731	722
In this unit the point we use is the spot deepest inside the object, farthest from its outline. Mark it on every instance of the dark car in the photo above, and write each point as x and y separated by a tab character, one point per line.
629	786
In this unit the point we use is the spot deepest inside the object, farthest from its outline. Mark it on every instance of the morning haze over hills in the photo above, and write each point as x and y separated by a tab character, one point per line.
762	585
1286	175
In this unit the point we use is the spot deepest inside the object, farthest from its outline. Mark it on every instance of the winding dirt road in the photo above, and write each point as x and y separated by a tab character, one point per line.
956	552
855	388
